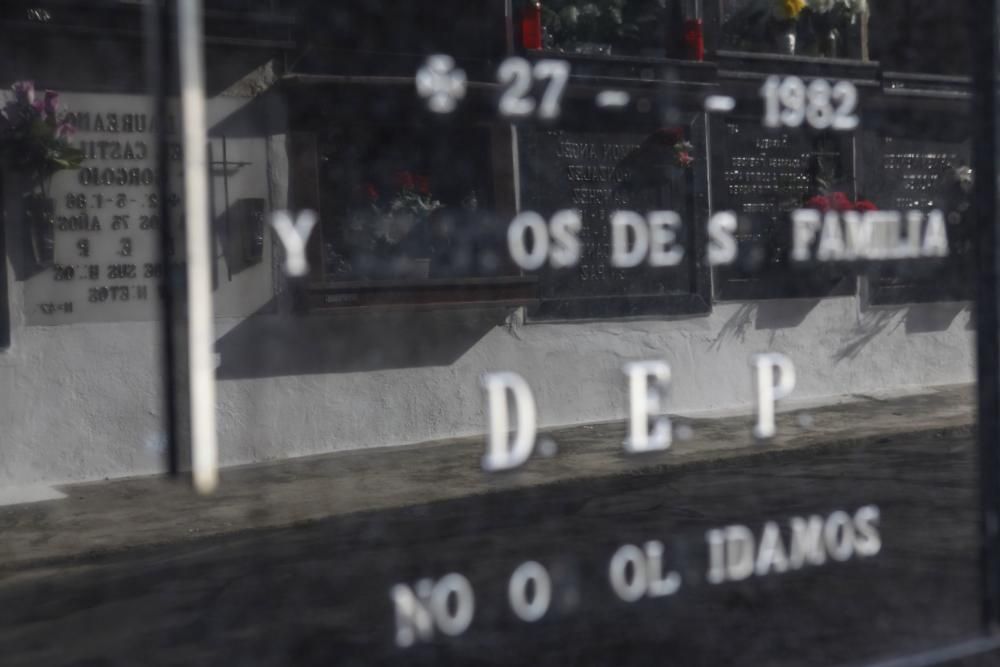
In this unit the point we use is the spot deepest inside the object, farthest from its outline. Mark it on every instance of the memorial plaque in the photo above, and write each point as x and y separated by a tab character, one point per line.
598	173
922	166
762	175
105	265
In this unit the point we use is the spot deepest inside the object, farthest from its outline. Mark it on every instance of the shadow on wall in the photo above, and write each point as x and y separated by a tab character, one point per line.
764	315
917	319
870	325
736	326
773	315
277	345
931	317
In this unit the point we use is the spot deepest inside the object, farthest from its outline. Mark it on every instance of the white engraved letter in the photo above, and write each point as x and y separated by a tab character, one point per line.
517	591
565	227
501	454
659	585
417	614
622	256
807	542
769	392
914	225
663	228
936	236
839	536
722	243
739	553
771	552
628	588
413	619
868	542
521	225
858	236
716	556
644	401
294	236
454	619
831	240
805	224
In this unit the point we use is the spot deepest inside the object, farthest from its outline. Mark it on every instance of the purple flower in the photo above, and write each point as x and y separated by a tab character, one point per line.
51	101
65	130
24	91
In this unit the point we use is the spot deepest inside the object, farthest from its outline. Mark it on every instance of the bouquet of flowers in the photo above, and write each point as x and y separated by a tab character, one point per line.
839	201
399	209
579	25
760	23
683	154
787	10
797	25
841	9
826	21
35	134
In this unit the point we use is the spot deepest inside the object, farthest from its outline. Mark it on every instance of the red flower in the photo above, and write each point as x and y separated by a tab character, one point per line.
423	184
863	205
684	159
818	202
841	202
404	179
667	136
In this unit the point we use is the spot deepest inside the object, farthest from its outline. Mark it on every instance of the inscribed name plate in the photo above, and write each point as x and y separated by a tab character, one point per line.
106	216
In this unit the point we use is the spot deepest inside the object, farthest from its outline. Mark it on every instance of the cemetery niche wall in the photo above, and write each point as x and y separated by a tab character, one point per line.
554	332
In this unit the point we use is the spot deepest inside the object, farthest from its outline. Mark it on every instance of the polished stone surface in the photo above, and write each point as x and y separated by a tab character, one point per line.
292	563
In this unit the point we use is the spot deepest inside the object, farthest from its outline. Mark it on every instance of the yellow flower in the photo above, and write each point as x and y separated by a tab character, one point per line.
789	9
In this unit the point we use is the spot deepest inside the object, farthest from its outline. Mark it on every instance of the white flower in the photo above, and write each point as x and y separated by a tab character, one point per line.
857	6
852	6
821	6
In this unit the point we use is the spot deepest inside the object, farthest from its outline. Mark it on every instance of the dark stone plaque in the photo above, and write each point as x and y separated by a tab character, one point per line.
923	164
762	176
598	173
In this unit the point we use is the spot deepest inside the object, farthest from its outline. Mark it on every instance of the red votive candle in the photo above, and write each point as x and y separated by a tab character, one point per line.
694	39
531	25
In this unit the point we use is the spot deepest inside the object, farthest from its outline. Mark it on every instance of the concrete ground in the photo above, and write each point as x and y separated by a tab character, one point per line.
291	562
107	516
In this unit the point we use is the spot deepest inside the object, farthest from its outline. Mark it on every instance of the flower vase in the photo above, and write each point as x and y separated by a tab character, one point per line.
829	43
592	48
785	41
31	215
39	226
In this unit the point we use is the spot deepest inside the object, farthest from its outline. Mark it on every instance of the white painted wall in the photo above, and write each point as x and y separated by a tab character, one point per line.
83	401
575	373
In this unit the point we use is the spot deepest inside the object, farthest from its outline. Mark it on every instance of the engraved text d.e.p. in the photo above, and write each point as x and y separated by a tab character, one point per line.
649	428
